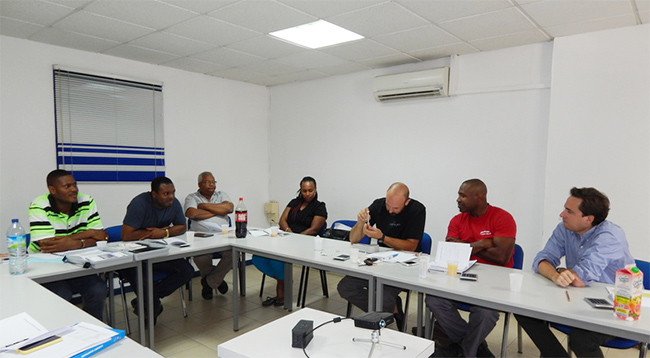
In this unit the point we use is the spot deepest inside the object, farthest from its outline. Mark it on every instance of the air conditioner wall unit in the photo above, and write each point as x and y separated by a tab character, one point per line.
428	83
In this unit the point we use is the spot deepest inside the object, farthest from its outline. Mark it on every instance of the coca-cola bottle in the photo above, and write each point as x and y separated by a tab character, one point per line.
241	219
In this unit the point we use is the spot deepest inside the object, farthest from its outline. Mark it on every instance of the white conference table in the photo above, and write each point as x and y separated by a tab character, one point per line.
539	297
20	294
331	340
300	249
44	272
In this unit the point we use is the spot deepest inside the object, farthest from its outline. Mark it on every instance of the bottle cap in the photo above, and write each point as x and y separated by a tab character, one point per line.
240	199
14	220
634	269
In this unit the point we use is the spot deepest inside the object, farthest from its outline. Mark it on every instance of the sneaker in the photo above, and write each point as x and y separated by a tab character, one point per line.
223	287
268	301
206	291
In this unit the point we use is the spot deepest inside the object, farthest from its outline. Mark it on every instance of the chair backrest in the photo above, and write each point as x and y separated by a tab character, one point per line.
644	266
518	258
114	233
322	229
425	244
349	223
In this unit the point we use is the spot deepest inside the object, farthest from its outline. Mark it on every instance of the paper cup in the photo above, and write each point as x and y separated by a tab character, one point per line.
423	265
189	237
452	267
224	229
516	280
274	230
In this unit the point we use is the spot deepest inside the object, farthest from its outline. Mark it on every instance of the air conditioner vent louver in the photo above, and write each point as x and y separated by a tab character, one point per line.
428	83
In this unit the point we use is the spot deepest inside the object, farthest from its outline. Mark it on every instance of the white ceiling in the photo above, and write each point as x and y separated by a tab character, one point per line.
229	38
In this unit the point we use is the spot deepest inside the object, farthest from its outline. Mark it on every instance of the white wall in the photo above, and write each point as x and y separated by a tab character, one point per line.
355	147
210	124
599	126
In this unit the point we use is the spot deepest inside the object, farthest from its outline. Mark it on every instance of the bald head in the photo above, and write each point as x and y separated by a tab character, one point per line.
397	198
472	197
477	186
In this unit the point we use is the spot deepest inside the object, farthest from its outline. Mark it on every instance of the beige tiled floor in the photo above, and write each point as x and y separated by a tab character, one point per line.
209	322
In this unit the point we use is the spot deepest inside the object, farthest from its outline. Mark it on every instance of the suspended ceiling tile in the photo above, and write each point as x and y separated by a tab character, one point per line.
509	40
262	16
311	60
359	50
560	12
35	12
417	39
444	10
344	69
103	27
74	40
17	28
140	54
491	24
378	20
272	68
200	6
170	43
323	9
211	30
594	25
228	57
140	12
460	48
193	65
388	61
266	46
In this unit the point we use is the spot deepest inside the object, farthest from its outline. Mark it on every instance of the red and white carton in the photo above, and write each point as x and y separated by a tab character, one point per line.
628	292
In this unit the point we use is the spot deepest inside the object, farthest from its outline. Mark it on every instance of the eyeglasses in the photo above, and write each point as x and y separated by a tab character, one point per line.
206	182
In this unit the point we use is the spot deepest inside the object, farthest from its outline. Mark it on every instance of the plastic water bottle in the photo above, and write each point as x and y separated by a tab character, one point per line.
16	243
241	219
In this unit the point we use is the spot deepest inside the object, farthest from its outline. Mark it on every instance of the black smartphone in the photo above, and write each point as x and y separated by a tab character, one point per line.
180	244
342	257
203	234
409	263
469	276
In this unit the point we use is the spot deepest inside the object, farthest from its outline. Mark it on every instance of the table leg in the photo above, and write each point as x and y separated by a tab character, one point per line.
419	320
149	279
236	265
375	285
288	286
111	299
242	274
140	293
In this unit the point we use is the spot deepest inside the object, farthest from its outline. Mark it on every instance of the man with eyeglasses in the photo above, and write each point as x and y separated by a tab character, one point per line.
208	210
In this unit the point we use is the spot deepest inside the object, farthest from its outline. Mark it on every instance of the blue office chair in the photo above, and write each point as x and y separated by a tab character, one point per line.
618	343
518	263
115	234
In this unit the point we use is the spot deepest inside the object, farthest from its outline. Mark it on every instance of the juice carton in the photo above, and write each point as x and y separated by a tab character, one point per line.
629	288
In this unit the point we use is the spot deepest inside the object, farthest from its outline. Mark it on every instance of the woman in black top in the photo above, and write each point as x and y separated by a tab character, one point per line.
304	215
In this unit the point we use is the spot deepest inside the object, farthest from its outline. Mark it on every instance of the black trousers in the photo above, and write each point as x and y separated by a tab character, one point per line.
355	290
583	343
92	289
178	272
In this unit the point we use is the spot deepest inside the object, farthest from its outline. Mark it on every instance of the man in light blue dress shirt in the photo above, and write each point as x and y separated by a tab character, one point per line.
594	249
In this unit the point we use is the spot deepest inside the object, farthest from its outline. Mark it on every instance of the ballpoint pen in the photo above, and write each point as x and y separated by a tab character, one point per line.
568	298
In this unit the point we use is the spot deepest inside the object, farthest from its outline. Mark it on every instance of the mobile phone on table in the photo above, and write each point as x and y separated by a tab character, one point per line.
202	234
342	257
409	263
39	344
180	244
469	276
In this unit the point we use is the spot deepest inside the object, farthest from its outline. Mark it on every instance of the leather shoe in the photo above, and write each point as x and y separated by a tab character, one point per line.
483	351
157	310
223	287
268	301
206	291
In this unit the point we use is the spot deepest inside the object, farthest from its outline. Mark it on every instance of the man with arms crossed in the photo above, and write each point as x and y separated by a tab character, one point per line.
208	209
63	220
594	249
157	215
400	225
491	232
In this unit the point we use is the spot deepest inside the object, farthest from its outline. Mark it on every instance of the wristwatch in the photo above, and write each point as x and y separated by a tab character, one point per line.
381	239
